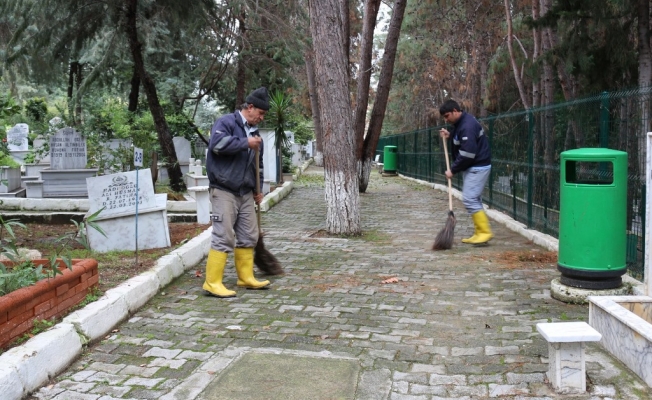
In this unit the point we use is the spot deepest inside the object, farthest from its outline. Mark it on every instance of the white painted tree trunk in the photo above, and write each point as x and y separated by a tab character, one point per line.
340	169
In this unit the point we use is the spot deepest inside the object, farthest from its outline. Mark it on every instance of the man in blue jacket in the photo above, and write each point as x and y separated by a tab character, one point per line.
472	157
231	170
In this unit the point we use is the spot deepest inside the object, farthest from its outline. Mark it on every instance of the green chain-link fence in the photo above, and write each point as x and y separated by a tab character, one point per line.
526	145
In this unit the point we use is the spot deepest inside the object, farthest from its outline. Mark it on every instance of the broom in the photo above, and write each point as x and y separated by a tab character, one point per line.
444	239
264	260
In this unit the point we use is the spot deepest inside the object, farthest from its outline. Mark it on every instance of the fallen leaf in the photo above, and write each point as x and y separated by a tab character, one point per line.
198	274
115	330
390	280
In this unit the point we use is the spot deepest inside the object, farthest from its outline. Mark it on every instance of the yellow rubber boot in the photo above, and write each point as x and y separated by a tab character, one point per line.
214	274
483	230
244	266
474	237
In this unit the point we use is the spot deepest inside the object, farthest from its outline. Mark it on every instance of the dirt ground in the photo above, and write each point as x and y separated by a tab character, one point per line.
114	267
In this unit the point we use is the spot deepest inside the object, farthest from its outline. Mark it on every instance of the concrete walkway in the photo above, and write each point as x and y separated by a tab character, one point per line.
458	324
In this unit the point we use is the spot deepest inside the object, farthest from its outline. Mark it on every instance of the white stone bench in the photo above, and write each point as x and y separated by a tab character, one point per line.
566	367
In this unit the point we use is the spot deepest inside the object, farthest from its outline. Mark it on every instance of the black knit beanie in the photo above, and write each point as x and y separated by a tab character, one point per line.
259	98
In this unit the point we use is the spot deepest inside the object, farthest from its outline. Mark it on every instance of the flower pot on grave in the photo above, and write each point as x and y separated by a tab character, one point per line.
47	298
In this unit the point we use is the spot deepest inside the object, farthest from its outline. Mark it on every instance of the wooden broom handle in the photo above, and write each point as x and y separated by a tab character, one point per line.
450	184
257	155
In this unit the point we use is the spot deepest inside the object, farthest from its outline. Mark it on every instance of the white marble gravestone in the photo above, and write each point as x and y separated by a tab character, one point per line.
116	195
17	142
184	152
17	138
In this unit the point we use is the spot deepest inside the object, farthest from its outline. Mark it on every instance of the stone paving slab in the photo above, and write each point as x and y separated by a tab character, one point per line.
458	324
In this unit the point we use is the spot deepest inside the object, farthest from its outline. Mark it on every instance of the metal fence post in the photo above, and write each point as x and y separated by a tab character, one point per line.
431	178
530	168
604	119
491	173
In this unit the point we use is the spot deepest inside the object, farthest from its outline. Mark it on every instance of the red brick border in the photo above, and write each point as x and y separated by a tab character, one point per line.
46	299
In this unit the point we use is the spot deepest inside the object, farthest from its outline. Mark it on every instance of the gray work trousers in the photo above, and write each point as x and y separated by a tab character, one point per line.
234	221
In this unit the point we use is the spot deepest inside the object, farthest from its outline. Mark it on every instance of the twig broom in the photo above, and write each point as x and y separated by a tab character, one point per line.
444	239
264	260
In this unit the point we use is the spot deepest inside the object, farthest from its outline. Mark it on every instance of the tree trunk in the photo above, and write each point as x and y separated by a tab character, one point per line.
382	93
341	186
644	79
314	104
78	105
164	136
364	73
517	75
548	133
240	74
72	68
134	92
346	35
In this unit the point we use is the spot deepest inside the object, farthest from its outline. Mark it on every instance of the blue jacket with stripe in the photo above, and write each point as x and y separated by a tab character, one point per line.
230	165
470	144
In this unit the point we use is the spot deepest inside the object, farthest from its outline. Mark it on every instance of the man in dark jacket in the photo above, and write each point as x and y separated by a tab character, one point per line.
472	157
231	170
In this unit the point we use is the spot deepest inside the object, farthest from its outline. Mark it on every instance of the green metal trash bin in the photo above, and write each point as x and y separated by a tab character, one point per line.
593	218
390	159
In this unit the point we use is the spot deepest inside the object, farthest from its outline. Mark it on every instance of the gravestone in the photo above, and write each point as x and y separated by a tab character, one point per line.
183	150
66	176
111	159
67	150
115	195
17	138
17	142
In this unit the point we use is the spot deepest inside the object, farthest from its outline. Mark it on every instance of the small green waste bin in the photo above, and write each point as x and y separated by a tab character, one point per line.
593	218
390	159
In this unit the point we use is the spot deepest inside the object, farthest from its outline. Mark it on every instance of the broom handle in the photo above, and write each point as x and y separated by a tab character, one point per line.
258	187
450	184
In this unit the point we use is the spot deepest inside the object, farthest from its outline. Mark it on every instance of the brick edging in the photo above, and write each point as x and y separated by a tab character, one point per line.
48	298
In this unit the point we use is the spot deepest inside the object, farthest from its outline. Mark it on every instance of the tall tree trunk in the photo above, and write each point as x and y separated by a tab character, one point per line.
318	155
548	133
484	77
364	73
164	136
341	187
240	73
134	91
382	94
78	105
72	69
644	79
346	35
510	48
536	52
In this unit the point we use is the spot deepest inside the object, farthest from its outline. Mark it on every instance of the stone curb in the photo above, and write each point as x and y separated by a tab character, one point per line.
27	367
548	242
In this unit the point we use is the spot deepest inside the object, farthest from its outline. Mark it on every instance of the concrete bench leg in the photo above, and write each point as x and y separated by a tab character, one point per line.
566	366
